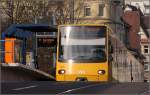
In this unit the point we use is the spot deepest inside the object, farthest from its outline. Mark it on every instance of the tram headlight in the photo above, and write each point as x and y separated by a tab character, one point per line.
61	71
101	72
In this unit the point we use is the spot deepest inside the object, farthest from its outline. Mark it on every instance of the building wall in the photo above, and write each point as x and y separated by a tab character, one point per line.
133	19
111	11
145	41
125	66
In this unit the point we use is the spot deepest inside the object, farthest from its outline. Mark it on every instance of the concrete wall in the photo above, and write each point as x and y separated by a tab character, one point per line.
125	66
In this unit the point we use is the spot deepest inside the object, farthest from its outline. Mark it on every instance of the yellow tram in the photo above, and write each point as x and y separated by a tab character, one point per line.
82	53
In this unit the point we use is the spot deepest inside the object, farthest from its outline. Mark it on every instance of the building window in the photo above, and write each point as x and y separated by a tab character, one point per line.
147	10
87	11
146	50
147	58
101	10
146	66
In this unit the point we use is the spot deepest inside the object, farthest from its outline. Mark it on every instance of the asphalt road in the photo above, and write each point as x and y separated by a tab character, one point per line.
59	88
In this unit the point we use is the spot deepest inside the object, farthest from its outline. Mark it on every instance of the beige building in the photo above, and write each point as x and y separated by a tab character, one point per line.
98	11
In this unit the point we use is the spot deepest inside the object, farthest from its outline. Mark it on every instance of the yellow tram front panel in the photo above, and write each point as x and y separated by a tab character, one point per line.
89	71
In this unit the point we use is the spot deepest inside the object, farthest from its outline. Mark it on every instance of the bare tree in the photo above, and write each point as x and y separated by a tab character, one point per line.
27	11
24	11
68	11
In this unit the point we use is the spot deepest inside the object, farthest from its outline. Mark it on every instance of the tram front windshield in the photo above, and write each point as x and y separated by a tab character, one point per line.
82	43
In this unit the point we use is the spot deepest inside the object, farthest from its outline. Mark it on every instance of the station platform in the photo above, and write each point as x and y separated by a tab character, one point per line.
20	72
